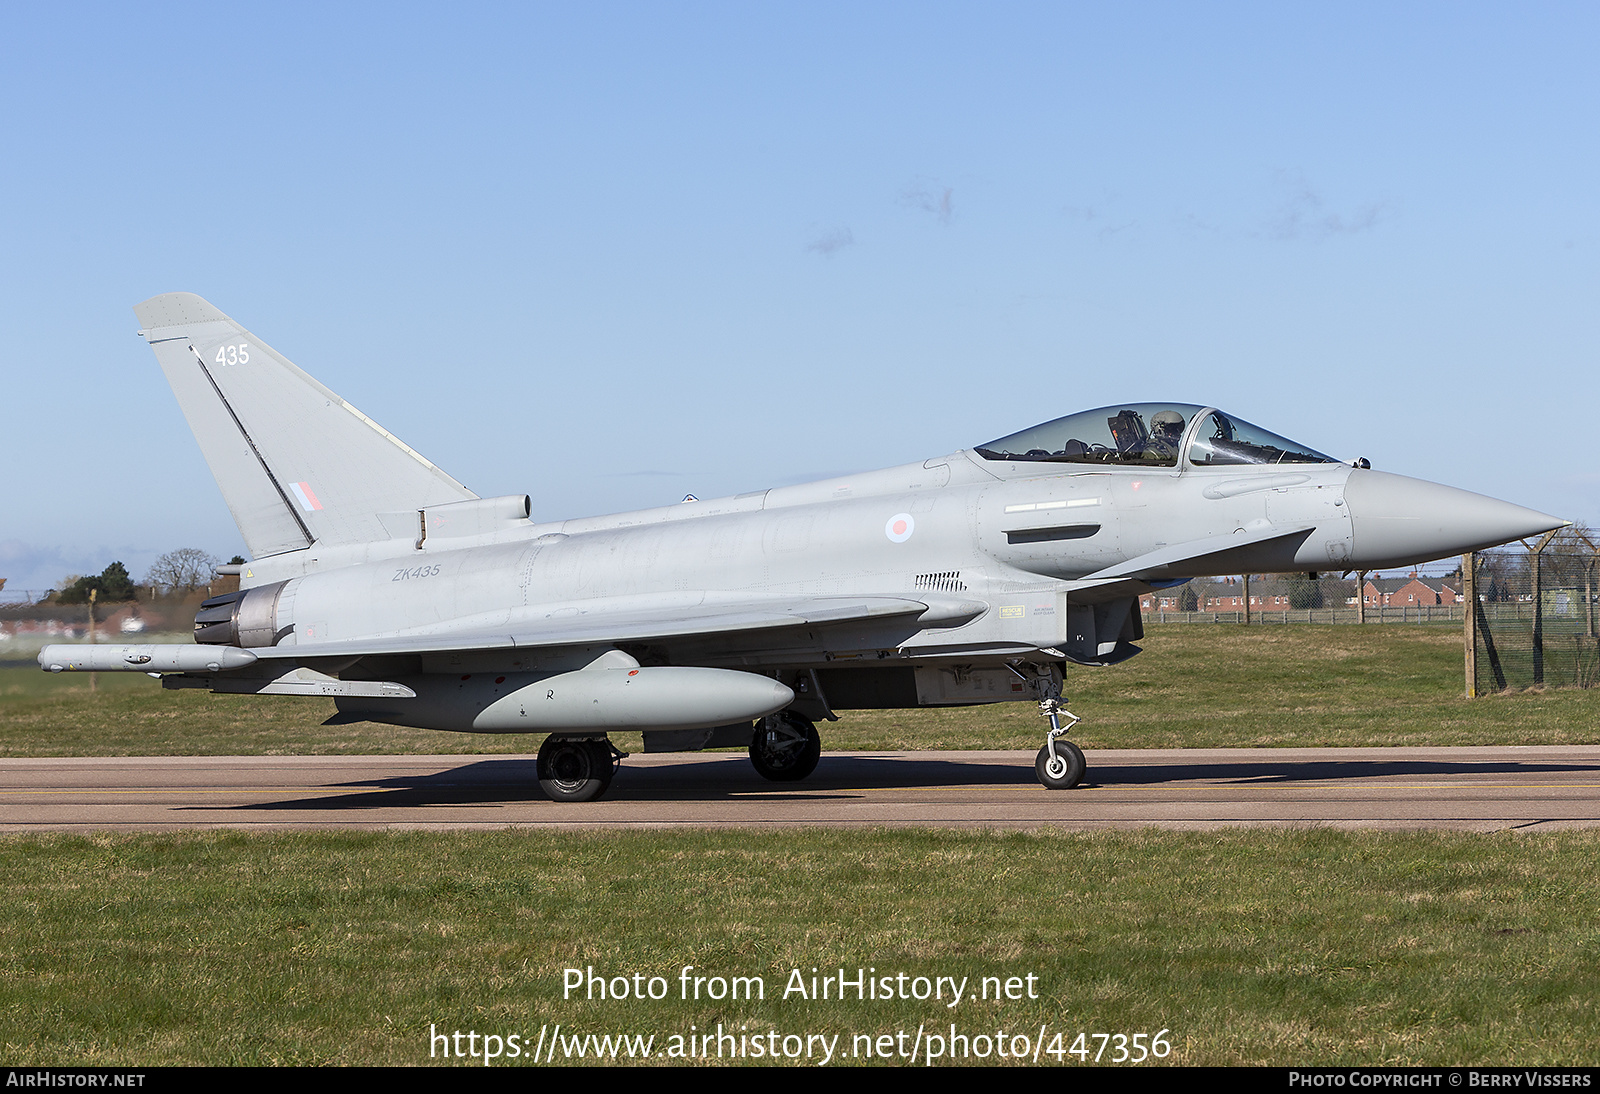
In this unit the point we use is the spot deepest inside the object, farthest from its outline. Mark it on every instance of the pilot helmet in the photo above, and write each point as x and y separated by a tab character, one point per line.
1167	421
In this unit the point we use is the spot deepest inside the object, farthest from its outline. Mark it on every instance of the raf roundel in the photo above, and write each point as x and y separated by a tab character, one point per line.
900	527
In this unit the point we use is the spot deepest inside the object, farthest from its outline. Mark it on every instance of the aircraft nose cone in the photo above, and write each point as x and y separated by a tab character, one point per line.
1396	521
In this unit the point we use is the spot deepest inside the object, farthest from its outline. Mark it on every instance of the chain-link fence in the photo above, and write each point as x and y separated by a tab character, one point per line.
1422	613
1531	610
1536	615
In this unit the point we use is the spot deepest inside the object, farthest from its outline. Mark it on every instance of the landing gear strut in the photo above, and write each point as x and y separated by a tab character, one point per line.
785	747
577	769
1060	764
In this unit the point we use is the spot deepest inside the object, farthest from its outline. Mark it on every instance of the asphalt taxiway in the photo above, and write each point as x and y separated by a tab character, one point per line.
1471	789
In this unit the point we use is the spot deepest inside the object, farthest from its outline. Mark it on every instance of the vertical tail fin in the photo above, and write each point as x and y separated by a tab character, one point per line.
296	463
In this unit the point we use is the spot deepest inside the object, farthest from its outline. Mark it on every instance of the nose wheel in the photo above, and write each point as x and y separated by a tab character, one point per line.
1060	765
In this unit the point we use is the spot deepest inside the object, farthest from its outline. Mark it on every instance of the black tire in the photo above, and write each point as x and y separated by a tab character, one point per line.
574	770
793	750
1068	772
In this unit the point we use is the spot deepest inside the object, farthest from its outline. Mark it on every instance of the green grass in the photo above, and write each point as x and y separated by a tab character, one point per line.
1250	947
1220	686
1194	686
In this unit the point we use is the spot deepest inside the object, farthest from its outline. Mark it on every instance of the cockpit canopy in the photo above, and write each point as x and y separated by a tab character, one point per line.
1150	435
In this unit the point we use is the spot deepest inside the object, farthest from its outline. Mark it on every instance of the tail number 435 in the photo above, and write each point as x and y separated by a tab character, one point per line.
234	355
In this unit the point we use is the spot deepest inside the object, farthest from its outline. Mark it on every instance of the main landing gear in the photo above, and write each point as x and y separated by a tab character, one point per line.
577	769
785	747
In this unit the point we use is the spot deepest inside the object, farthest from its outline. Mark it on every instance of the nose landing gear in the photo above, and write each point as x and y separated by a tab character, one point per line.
1060	764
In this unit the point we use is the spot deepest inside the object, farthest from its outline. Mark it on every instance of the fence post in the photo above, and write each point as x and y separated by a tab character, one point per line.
1538	618
1469	587
1538	607
93	677
1588	593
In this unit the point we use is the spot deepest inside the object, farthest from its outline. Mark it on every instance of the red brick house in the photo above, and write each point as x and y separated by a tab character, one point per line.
1411	591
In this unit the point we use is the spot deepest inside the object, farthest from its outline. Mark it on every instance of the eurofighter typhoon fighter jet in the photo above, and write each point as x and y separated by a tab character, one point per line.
976	577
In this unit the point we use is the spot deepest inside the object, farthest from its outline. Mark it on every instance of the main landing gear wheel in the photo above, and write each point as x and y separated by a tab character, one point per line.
1060	765
786	747
574	769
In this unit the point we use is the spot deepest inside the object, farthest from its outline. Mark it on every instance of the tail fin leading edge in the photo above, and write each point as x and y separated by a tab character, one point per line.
296	463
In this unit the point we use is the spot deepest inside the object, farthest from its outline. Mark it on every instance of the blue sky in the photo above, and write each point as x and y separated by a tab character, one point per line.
606	254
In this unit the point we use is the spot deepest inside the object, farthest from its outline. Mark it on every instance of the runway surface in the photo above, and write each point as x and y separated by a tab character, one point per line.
1470	789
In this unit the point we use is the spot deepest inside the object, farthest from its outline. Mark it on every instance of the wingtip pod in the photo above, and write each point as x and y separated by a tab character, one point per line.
146	658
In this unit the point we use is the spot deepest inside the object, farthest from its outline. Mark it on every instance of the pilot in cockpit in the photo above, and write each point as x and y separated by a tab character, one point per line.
1166	433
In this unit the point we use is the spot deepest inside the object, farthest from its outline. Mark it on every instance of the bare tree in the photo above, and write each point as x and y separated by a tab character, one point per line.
187	568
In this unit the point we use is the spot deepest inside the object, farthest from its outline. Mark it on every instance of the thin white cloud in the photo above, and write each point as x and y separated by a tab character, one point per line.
832	241
930	197
1095	220
1305	214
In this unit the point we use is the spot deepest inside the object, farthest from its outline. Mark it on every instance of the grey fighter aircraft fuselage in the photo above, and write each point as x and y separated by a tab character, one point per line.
968	578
